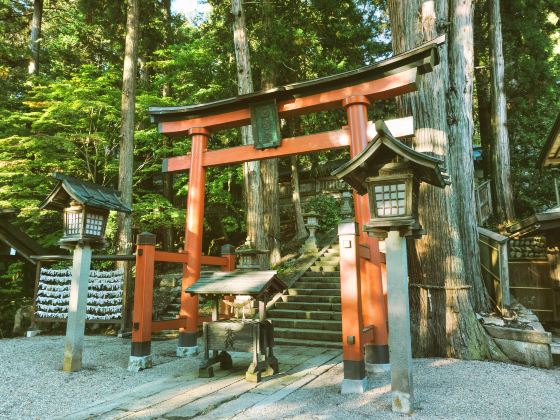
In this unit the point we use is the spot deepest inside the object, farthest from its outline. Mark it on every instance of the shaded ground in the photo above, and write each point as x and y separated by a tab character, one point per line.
34	386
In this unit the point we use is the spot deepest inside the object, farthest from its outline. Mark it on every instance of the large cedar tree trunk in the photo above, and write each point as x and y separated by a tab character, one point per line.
443	319
501	170
269	167
126	151
301	232
167	177
460	118
34	39
251	170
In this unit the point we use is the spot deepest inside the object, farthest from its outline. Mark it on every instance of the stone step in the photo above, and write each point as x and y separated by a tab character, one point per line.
307	343
298	314
326	263
307	324
329	257
317	285
325	269
315	273
308	306
305	334
313	298
315	292
321	279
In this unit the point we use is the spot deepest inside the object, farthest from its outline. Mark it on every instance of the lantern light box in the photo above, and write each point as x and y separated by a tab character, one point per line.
86	209
390	173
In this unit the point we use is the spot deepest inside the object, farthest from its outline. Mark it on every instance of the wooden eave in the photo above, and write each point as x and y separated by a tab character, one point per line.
422	58
19	240
84	193
381	150
254	283
550	154
537	223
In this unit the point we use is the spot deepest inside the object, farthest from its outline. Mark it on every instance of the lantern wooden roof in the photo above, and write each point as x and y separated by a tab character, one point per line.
239	282
86	193
423	58
550	154
382	150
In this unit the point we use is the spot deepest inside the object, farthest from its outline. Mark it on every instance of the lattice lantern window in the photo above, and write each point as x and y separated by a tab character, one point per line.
83	222
393	197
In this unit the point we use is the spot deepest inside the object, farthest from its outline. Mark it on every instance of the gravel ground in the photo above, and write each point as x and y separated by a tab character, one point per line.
444	389
33	384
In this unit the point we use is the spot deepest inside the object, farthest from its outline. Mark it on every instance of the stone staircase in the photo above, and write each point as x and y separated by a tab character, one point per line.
310	315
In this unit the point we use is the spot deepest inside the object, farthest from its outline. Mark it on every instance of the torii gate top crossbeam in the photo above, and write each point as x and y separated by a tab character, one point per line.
384	79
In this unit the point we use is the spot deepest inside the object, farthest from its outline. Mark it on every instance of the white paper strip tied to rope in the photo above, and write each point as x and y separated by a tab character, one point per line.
104	294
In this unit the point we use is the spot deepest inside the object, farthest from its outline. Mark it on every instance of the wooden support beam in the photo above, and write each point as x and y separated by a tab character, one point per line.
400	127
386	87
169	324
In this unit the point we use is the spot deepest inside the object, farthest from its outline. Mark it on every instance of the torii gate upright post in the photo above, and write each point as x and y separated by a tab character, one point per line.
371	285
193	242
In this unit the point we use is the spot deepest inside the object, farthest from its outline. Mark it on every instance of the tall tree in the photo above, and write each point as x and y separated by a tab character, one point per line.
443	318
501	171
269	167
126	150
35	37
251	170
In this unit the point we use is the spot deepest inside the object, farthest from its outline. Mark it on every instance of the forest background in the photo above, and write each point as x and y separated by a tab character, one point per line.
64	115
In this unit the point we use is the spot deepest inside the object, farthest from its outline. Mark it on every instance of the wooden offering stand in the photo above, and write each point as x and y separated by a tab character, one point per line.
244	335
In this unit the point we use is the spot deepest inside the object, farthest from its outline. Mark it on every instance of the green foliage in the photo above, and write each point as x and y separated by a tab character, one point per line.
12	295
328	209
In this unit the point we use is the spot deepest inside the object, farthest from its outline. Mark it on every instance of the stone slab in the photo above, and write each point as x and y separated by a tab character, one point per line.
531	354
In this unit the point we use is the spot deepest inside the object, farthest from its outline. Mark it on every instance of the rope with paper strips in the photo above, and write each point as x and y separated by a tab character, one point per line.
104	301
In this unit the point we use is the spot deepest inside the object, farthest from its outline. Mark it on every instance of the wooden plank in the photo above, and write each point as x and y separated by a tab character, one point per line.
527	336
173	257
336	139
169	324
209	260
383	88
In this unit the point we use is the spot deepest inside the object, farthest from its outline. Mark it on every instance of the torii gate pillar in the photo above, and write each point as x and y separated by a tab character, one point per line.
371	285
193	242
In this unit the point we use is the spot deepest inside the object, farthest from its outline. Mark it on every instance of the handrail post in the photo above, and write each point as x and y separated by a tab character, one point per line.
140	352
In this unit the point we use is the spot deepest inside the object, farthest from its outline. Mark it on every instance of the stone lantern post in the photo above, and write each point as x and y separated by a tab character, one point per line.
390	173
85	209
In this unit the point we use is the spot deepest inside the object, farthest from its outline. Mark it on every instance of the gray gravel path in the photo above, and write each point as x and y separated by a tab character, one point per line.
444	389
33	384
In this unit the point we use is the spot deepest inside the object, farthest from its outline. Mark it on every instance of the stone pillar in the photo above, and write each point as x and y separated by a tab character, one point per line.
355	380
400	349
76	323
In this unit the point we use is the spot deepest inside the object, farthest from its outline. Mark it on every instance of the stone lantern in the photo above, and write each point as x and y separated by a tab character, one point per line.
249	257
312	224
346	209
85	208
390	173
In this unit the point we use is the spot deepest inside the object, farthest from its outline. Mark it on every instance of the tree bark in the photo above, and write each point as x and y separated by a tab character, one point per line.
443	320
167	178
301	232
461	165
126	151
251	170
501	170
34	39
269	167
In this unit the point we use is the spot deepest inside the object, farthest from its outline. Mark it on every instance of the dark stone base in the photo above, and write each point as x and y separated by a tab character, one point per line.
141	349
377	354
187	339
354	369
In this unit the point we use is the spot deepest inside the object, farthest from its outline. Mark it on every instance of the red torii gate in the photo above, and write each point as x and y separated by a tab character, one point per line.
363	314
